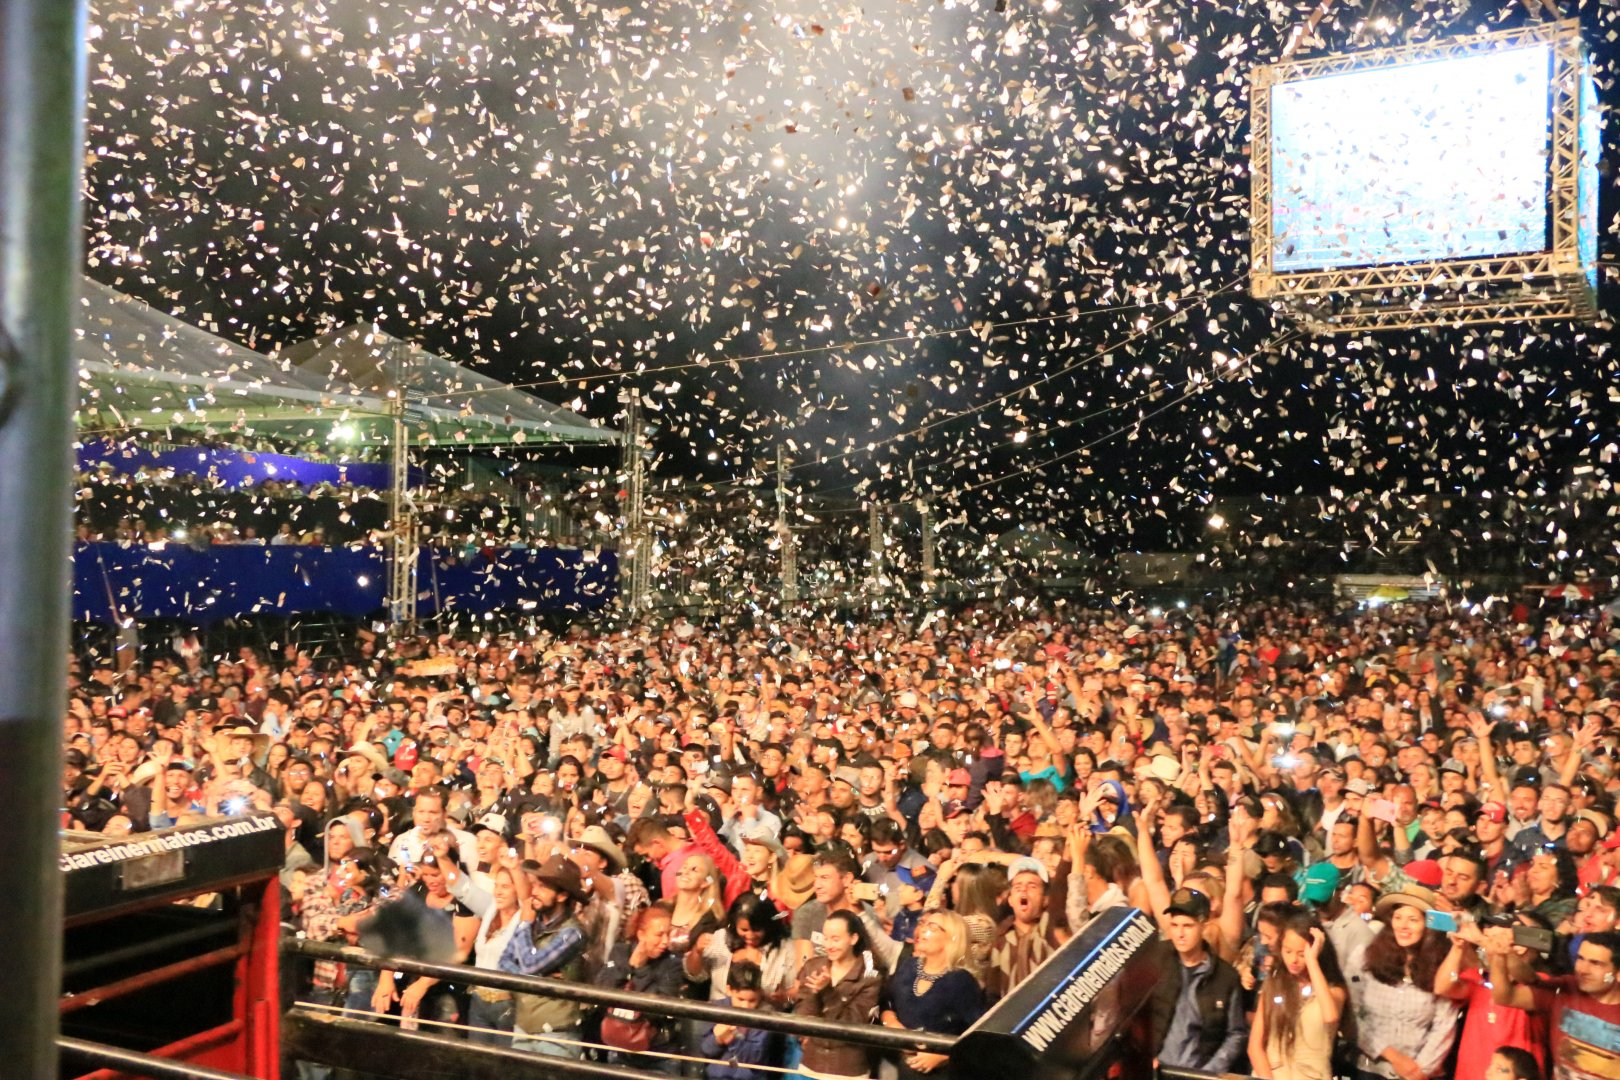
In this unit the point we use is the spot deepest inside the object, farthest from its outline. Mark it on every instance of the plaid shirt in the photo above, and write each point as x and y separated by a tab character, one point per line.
555	951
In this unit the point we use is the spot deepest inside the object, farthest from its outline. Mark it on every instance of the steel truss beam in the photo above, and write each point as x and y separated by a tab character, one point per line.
1550	284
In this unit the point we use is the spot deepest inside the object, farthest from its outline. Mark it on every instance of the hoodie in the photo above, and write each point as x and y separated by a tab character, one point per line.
1099	824
355	834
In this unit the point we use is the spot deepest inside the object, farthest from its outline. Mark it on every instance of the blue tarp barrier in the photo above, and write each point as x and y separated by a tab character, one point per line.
233	468
114	581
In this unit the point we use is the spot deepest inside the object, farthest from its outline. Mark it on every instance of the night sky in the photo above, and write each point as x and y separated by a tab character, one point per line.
997	258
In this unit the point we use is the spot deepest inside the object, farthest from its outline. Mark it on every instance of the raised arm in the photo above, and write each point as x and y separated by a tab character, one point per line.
1152	873
1329	998
1584	738
1447	978
1504	991
1481	729
1232	902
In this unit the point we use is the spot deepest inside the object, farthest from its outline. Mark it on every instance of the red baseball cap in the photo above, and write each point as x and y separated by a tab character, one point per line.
1493	811
959	778
1424	872
406	757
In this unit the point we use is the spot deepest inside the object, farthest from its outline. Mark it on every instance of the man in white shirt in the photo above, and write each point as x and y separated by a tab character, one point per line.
427	813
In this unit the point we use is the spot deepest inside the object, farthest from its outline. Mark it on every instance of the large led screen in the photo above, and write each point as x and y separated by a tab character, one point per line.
1440	159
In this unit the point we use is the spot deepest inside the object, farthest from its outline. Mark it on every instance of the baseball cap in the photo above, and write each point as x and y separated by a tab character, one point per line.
959	778
1358	786
1597	821
846	774
492	822
1424	872
1028	865
1188	902
1493	811
1321	882
1453	765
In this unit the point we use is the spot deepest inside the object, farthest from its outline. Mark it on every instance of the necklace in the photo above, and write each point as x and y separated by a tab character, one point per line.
923	981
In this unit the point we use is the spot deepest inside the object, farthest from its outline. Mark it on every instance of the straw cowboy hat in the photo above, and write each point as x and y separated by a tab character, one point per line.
795	882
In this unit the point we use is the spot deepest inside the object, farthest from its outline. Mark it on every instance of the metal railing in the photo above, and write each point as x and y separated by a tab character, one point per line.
874	1035
100	1056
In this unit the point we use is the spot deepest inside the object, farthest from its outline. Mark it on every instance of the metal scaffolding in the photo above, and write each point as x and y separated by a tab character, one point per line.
41	147
635	561
406	546
926	525
874	530
784	533
1556	283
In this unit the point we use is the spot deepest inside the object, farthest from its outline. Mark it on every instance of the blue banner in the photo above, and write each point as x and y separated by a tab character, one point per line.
233	468
117	581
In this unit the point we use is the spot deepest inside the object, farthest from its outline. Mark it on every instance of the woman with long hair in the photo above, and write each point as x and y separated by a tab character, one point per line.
1300	1006
698	909
1553	884
756	932
1404	1029
492	1011
842	985
931	989
422	995
644	963
317	797
977	892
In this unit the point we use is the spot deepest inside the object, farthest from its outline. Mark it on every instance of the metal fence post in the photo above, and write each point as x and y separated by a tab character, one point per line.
41	146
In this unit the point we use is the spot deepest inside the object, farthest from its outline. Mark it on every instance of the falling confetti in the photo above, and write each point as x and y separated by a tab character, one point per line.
986	255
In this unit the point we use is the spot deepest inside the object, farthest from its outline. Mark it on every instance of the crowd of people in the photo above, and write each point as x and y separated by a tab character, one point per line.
1377	843
160	508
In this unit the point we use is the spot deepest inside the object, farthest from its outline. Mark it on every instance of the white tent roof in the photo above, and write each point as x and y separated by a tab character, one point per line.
451	403
140	367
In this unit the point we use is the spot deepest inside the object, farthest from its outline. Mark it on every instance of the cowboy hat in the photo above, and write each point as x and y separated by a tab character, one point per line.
795	882
371	752
240	729
1413	896
597	839
561	874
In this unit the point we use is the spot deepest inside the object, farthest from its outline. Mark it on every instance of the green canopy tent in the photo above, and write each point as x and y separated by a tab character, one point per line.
450	405
142	369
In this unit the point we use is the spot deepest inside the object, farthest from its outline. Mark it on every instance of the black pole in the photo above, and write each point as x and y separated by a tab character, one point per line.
793	1024
41	145
384	1050
130	1063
